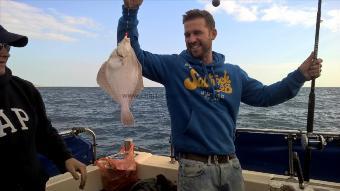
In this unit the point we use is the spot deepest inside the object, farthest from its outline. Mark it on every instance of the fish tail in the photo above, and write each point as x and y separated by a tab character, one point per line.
127	117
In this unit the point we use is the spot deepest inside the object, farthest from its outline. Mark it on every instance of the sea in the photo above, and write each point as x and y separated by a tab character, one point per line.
91	107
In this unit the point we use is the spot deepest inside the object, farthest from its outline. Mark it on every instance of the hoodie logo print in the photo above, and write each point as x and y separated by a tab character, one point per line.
195	81
225	84
6	123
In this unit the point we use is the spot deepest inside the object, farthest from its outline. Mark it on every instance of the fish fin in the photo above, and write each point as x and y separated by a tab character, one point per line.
103	83
127	118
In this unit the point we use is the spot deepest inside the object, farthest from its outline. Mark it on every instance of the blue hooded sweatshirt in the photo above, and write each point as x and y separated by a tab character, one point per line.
203	100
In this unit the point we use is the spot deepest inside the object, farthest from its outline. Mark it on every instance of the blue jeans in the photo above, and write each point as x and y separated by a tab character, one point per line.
199	176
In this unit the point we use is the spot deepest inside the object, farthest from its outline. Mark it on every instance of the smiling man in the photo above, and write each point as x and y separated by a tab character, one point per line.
204	93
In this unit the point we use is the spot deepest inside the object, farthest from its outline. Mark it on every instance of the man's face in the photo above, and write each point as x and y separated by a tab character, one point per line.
4	54
198	37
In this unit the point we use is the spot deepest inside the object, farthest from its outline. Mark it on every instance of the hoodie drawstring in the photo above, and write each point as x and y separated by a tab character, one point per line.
211	84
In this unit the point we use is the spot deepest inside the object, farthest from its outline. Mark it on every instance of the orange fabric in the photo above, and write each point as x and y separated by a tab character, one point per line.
118	174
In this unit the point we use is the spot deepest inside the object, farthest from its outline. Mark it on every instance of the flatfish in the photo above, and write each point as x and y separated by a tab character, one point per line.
121	77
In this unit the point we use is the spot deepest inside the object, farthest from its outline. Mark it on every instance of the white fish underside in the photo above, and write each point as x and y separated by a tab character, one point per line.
121	77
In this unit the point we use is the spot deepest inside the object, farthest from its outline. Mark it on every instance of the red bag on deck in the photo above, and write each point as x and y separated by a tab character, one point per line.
118	174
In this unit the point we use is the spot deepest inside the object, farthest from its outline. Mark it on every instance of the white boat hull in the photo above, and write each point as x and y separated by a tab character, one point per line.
148	166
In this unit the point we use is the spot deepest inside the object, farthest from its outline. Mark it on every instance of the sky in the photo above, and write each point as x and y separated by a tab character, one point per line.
70	39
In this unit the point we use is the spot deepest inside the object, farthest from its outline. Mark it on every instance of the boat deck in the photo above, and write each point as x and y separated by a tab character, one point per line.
148	166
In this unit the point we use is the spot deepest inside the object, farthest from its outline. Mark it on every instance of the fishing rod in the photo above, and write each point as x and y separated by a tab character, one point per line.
311	106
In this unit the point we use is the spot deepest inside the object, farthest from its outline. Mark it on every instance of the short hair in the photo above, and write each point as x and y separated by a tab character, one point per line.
196	13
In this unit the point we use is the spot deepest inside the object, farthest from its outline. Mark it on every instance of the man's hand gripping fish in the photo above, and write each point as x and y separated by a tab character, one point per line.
121	77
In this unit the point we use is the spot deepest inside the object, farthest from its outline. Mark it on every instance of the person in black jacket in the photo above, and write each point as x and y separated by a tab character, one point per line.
26	131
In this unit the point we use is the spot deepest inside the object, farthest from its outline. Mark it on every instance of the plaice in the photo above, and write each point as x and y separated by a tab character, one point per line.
121	77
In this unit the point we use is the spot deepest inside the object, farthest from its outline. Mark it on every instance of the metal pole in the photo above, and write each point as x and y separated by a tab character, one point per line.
311	102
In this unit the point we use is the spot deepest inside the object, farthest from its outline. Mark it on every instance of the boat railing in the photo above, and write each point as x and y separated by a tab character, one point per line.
88	131
319	140
316	141
287	132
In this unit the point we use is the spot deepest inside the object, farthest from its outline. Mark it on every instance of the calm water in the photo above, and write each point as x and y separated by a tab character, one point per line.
91	107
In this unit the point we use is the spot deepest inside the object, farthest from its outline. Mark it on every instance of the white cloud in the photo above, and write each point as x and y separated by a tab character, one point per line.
269	11
237	9
43	24
289	15
333	23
